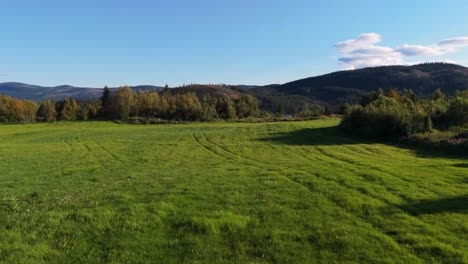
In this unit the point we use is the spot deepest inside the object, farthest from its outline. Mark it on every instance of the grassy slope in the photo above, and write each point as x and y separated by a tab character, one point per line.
275	192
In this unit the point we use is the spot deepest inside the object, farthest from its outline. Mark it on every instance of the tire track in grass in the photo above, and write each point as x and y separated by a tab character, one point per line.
348	161
212	151
76	145
68	145
105	150
77	134
233	153
78	152
91	156
407	163
88	148
90	151
367	167
356	171
279	168
81	150
376	226
259	165
337	167
68	142
408	169
357	168
366	148
420	222
221	154
412	180
428	191
384	228
376	151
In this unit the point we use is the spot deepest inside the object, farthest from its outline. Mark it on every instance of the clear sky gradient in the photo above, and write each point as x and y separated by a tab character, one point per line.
98	42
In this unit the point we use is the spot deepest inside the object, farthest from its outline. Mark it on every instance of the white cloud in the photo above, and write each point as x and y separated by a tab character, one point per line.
419	50
363	51
363	40
454	44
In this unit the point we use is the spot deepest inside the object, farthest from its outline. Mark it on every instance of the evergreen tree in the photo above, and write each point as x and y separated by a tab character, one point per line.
106	102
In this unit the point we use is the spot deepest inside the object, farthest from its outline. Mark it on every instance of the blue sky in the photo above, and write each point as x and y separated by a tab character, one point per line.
94	43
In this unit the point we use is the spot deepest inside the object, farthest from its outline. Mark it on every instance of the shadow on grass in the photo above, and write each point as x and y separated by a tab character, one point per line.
461	165
428	151
458	204
329	136
314	137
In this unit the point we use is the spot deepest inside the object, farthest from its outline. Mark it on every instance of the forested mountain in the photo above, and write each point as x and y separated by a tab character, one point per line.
348	86
330	90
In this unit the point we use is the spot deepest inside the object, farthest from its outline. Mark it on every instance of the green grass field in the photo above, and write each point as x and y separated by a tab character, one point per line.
291	192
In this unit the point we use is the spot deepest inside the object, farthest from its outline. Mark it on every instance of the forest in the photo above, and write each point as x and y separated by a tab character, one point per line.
127	105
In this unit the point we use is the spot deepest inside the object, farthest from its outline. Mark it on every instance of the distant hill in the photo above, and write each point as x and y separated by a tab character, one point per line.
331	90
40	93
347	86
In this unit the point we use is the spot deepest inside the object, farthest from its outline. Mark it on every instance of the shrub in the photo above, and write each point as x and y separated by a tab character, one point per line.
387	118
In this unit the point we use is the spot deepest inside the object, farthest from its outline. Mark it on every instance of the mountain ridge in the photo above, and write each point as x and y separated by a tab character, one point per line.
60	92
331	89
336	88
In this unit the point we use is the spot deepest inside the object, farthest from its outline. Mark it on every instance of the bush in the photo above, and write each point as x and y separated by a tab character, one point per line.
411	119
387	118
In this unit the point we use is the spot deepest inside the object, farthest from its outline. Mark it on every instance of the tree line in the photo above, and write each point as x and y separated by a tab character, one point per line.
125	104
16	111
394	115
